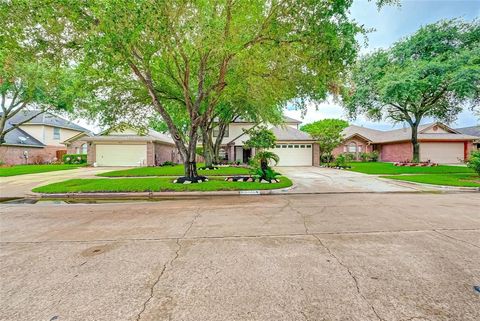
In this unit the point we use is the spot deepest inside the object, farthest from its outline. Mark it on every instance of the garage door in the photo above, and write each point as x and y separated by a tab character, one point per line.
121	155
447	153
294	154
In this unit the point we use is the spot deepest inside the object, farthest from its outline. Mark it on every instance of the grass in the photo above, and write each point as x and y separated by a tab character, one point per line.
33	169
447	179
377	168
152	185
176	170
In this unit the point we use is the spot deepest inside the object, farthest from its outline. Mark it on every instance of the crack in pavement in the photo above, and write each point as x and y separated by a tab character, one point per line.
456	239
354	278
164	268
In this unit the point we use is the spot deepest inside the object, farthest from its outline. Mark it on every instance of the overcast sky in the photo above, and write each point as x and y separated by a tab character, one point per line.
390	24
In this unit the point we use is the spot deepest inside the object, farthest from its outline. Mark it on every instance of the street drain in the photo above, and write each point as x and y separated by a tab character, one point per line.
477	288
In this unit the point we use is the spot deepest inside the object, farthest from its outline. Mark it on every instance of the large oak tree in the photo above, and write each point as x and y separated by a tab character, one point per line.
433	73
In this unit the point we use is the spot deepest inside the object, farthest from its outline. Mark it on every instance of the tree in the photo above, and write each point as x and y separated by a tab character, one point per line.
32	73
183	57
327	133
432	73
261	138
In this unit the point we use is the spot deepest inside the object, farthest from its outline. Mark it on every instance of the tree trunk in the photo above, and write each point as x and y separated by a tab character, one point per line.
415	144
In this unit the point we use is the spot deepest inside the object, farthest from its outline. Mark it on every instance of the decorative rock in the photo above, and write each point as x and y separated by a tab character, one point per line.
175	181
187	182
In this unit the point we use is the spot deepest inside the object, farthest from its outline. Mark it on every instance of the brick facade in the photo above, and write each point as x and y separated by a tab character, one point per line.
163	153
75	147
316	155
14	155
396	152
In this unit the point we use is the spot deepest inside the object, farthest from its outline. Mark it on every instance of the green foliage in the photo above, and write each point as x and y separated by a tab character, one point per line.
260	137
369	157
432	73
327	133
474	162
265	157
32	169
175	170
168	163
341	161
74	158
349	156
375	168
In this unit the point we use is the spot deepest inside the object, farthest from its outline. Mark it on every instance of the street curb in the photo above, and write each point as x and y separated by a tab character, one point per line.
436	187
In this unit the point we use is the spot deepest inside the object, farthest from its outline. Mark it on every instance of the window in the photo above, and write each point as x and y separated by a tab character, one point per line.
302	146
295	146
309	146
278	146
352	147
56	133
284	146
290	146
216	131
83	149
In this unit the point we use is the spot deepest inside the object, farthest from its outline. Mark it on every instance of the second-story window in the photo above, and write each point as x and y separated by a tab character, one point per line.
215	132
56	133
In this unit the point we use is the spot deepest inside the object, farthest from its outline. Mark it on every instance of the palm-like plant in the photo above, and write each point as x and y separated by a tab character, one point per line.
263	158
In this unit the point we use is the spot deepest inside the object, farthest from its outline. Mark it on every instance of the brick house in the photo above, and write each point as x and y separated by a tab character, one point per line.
37	141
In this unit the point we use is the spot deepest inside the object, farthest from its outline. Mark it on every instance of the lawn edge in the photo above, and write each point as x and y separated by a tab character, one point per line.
447	187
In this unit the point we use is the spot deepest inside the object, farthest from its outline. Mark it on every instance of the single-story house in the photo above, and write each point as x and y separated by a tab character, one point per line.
472	131
128	147
438	143
38	140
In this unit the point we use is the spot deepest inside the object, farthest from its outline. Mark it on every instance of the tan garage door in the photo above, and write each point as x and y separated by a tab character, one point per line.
121	155
294	154
446	153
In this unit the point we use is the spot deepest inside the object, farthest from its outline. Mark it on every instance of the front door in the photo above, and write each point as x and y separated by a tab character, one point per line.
247	153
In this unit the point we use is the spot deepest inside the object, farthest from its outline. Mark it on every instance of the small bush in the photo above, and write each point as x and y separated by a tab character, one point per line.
341	160
74	158
474	162
374	156
365	157
349	157
168	163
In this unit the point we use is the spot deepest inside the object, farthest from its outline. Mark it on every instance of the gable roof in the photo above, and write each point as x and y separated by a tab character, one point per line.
404	134
18	137
287	133
150	136
47	119
471	130
286	119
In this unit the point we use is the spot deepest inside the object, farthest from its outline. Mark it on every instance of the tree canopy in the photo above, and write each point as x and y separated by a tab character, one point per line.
327	133
432	73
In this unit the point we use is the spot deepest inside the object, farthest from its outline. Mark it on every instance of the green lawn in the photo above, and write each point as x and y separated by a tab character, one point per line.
388	169
176	170
152	185
32	169
469	180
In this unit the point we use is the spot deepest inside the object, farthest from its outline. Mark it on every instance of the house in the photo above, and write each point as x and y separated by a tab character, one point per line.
128	147
472	131
39	140
438	143
294	147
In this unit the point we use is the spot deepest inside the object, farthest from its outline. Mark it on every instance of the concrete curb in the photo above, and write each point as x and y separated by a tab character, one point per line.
443	187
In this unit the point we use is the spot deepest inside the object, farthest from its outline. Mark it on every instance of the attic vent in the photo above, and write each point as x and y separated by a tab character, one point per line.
22	139
435	128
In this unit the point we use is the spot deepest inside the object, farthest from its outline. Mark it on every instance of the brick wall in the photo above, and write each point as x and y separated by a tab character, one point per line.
13	155
91	156
396	152
163	153
72	147
316	155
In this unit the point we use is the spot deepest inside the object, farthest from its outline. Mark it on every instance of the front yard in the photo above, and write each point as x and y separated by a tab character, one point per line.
176	170
33	169
153	185
436	175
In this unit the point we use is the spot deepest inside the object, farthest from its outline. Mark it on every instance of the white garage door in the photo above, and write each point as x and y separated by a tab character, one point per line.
294	154
121	155
447	153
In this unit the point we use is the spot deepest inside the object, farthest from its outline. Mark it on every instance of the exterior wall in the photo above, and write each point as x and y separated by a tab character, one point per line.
362	147
435	130
14	155
150	154
316	155
92	153
164	153
396	152
235	130
76	147
45	134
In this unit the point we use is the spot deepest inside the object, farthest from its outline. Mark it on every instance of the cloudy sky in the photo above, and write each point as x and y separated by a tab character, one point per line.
391	24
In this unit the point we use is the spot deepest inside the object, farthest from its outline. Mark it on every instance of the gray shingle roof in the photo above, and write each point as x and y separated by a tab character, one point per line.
286	133
151	135
19	137
48	119
472	130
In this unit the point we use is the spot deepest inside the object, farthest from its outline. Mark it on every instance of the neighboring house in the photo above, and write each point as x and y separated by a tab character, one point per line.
294	147
472	131
438	143
128	148
38	141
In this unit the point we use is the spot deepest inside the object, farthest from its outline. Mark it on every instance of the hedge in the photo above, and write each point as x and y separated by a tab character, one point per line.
74	158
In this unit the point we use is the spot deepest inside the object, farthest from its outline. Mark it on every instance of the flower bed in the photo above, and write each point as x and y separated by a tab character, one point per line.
421	164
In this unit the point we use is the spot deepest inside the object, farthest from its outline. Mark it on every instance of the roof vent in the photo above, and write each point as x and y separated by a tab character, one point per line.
22	139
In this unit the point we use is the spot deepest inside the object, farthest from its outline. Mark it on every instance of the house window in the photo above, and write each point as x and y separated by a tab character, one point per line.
352	147
284	146
83	149
56	133
309	146
290	146
278	146
302	146
216	131
296	146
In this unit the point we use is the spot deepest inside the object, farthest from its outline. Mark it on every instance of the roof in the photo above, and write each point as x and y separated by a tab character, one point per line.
403	134
472	130
151	136
19	137
286	119
46	118
287	133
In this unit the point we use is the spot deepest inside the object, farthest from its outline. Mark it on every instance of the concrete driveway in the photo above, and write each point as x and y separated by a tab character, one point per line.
21	185
362	257
326	180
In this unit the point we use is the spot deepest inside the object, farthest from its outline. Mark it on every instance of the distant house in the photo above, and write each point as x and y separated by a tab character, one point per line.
438	143
472	131
38	141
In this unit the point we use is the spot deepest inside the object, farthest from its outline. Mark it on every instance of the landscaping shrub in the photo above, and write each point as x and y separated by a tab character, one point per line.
168	163
474	162
365	157
374	156
349	157
75	158
341	160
